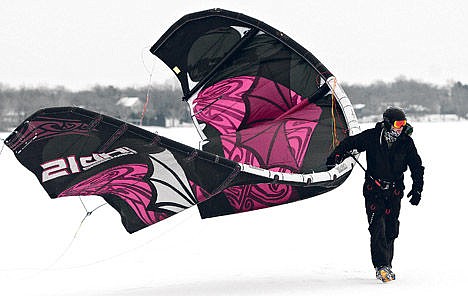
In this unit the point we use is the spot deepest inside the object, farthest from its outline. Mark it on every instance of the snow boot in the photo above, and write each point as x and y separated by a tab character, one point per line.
384	273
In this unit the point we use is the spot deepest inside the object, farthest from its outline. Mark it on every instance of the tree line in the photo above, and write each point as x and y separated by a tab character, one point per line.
417	98
164	101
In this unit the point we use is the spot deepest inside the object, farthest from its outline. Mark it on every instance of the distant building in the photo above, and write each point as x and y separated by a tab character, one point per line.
132	109
133	103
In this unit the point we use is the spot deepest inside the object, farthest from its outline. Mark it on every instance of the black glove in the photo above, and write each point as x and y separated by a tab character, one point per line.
335	158
415	197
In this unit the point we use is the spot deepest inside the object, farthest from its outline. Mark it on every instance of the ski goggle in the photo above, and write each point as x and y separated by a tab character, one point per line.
399	123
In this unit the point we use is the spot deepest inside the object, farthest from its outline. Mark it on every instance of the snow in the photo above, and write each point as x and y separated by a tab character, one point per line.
319	246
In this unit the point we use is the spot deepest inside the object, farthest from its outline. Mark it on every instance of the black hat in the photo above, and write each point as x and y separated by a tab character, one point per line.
393	114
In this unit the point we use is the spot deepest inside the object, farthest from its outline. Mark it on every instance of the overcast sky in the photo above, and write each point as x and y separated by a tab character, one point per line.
78	44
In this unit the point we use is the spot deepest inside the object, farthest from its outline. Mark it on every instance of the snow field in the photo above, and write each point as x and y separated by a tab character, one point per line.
318	246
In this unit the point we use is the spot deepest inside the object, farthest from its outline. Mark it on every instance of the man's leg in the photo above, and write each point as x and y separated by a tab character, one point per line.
392	224
378	240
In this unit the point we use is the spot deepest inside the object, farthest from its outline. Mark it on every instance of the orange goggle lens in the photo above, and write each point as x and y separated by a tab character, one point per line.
399	123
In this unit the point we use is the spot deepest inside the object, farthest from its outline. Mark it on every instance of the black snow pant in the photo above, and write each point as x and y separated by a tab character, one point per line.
383	210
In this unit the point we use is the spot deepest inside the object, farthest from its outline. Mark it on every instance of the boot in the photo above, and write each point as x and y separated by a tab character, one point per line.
384	273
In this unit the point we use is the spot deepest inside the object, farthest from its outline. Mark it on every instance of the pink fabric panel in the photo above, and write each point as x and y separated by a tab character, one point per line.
125	181
268	100
270	138
280	143
44	128
259	196
225	114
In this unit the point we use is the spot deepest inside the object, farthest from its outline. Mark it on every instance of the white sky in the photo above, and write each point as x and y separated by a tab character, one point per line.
78	44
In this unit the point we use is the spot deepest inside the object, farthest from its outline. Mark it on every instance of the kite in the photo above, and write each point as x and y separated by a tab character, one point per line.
268	113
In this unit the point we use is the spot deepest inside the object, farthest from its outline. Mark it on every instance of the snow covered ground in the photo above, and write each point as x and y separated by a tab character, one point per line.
318	246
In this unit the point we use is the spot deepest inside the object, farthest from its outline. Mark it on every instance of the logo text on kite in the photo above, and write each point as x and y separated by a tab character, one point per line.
71	165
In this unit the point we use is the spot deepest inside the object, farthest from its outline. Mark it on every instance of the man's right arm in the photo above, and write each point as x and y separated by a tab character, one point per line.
343	150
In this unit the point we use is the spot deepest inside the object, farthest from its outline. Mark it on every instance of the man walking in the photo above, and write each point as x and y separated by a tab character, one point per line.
390	150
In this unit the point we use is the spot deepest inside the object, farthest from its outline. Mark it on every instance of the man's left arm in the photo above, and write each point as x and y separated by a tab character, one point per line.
417	174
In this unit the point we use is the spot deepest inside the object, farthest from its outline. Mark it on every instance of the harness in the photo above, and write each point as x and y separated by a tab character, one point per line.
383	185
383	192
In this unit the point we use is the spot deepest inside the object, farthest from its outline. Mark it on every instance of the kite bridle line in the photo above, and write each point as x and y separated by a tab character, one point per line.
70	244
335	114
335	140
150	79
87	214
3	145
148	95
75	236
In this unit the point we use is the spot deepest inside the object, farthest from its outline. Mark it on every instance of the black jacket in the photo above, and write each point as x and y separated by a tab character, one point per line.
385	163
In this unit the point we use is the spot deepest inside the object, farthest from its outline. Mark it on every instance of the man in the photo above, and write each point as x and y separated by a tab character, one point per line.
390	150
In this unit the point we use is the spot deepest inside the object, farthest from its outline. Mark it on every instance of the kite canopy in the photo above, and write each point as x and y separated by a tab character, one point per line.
258	98
268	112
